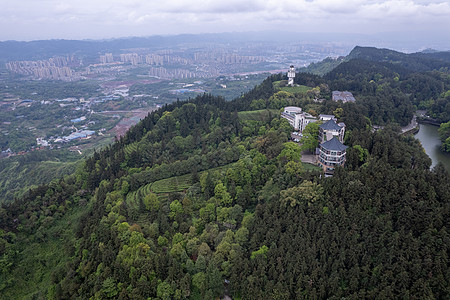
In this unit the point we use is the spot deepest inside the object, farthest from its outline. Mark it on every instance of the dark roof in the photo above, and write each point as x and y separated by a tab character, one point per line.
333	145
330	125
343	96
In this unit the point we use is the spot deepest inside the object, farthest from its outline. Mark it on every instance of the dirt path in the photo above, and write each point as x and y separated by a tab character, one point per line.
122	127
411	125
307	157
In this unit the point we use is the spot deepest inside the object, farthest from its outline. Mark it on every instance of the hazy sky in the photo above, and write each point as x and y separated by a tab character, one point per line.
81	19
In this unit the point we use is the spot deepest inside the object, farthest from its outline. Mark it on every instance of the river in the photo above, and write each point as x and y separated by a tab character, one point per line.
429	137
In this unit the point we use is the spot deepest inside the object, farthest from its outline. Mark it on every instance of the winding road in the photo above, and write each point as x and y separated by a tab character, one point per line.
411	125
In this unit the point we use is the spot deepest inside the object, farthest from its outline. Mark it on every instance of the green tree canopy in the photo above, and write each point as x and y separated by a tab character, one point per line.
291	152
309	140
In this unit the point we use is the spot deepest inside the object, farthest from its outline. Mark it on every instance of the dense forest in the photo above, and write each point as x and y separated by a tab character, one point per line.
444	134
208	197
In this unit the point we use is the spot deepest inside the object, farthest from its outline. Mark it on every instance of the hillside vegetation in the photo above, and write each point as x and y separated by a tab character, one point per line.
19	174
206	197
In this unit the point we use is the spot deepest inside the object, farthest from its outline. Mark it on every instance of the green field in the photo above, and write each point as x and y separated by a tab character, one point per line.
183	182
298	89
311	167
301	89
172	184
258	115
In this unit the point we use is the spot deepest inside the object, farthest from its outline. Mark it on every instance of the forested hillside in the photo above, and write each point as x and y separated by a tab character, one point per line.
404	82
19	174
207	197
414	62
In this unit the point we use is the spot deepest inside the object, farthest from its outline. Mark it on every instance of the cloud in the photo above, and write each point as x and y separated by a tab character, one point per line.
340	7
215	7
402	11
114	17
62	8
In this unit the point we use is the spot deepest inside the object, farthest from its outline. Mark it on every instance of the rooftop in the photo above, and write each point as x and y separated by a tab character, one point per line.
326	116
333	145
294	109
330	125
343	96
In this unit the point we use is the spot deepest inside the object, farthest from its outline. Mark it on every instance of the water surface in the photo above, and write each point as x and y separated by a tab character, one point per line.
429	137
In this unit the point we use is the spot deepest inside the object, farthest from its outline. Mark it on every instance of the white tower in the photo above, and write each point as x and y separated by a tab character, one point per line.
291	76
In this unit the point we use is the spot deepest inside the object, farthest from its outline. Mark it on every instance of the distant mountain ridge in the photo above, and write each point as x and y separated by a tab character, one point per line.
417	62
414	62
44	49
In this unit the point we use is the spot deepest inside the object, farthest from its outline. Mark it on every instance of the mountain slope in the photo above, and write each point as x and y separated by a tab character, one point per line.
198	193
414	62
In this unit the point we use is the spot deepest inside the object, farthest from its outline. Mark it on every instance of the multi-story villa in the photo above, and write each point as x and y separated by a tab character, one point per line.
297	118
330	129
331	151
331	154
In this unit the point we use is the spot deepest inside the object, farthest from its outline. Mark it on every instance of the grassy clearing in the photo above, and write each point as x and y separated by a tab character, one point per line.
298	89
258	115
172	184
301	89
311	167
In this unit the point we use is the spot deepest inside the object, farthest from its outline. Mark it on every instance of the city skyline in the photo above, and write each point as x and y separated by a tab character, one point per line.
392	19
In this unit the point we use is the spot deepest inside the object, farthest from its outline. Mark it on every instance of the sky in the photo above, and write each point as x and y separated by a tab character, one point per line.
102	19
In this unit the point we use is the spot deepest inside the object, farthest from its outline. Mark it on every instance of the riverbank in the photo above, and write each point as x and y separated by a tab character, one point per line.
424	120
411	126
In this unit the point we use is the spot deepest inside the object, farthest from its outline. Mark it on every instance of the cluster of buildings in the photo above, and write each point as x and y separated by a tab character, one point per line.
202	58
57	68
158	59
178	73
153	59
331	151
107	58
158	65
227	58
81	134
207	63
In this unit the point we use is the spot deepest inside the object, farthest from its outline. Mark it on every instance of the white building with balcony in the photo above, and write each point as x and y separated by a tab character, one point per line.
297	118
